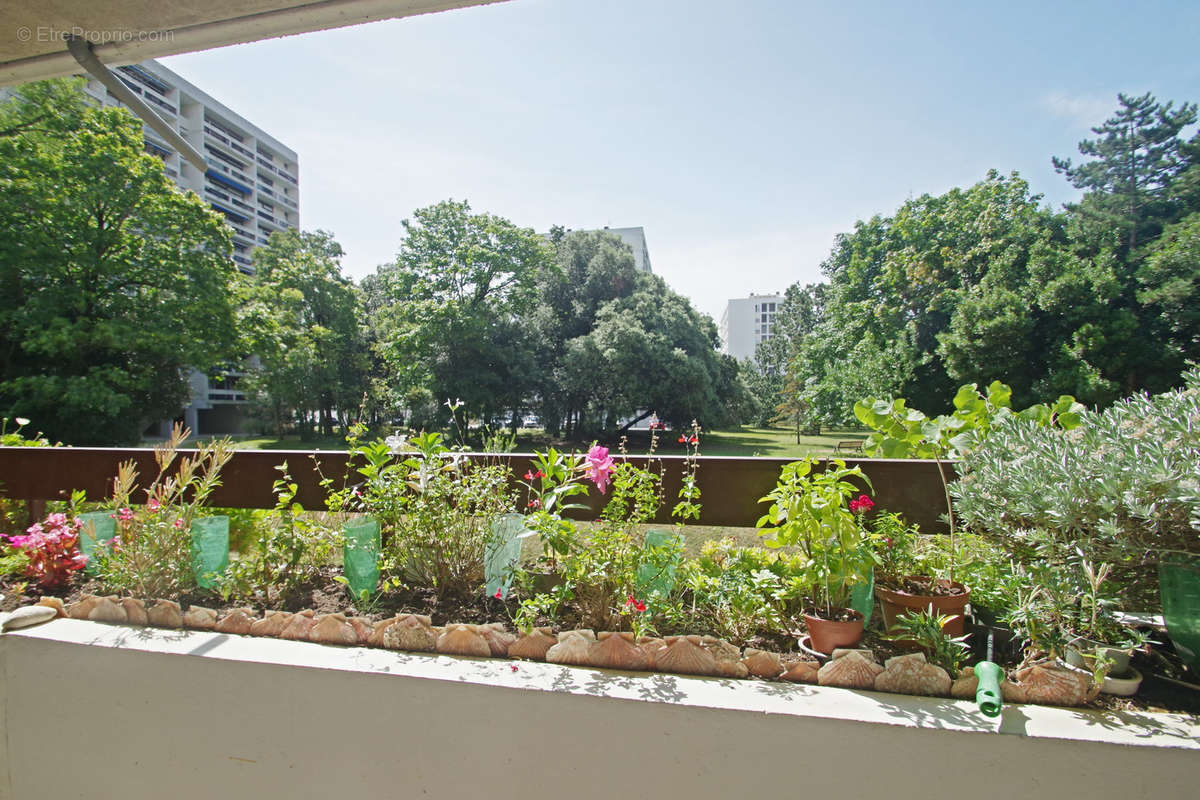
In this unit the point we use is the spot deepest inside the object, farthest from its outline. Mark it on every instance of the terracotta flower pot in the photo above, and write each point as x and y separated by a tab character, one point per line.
825	634
894	603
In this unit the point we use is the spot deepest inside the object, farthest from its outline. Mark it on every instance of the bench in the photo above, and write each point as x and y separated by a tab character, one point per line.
852	446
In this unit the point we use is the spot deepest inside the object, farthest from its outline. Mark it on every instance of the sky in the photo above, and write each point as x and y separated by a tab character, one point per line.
742	136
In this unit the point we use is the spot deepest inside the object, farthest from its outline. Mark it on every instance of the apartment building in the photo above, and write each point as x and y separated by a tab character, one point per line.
252	177
634	237
252	180
747	321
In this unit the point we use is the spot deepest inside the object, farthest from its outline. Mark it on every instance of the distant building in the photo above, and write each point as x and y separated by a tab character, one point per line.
635	238
252	181
747	321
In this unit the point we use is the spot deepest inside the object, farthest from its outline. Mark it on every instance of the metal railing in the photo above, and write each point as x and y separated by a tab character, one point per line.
731	487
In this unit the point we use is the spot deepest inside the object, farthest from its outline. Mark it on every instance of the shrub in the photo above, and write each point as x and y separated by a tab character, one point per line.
738	592
151	555
287	550
51	550
1123	487
449	505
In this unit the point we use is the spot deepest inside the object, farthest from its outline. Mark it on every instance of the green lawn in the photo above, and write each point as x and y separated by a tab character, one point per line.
772	442
744	441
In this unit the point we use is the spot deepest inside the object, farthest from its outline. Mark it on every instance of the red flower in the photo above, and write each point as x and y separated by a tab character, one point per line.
683	440
513	667
499	593
535	503
863	503
635	604
530	475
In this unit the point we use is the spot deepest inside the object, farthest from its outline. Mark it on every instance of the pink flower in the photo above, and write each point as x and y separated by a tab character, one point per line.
154	505
599	467
513	667
125	515
179	523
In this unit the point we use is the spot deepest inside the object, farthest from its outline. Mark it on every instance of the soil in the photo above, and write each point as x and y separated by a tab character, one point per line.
927	587
837	615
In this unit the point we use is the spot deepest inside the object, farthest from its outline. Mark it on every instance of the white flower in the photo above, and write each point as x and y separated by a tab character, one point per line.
396	443
22	421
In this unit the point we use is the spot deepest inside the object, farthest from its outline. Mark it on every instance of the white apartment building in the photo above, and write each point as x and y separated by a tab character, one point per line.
747	321
252	180
634	237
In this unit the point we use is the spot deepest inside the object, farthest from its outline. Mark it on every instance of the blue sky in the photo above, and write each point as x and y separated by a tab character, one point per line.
743	136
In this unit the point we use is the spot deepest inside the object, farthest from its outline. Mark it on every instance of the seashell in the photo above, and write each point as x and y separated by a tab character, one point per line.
272	623
82	607
865	652
801	671
200	618
333	629
574	647
165	614
912	674
459	639
362	629
498	638
27	617
53	602
378	629
108	609
652	646
617	651
238	621
299	626
762	663
728	657
533	645
410	632
853	670
967	685
686	655
135	611
1053	685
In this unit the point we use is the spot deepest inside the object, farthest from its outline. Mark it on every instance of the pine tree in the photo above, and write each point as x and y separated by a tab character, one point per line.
1131	166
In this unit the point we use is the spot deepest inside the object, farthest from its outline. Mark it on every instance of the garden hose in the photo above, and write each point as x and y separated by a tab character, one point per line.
989	674
988	694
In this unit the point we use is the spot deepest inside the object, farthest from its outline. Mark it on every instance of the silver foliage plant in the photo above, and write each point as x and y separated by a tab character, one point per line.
1122	487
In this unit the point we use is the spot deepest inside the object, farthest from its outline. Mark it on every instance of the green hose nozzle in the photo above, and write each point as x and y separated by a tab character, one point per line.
988	694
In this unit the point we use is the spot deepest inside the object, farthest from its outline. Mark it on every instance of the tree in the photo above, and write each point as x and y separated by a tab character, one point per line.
115	281
1170	281
51	108
594	268
650	352
1130	170
452	311
300	320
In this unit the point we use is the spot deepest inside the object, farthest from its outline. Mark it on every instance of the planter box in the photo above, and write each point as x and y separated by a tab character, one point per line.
92	710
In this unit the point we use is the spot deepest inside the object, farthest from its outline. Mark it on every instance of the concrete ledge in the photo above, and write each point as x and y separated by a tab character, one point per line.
92	710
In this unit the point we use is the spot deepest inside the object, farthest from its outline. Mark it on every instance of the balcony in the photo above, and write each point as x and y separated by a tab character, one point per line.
227	705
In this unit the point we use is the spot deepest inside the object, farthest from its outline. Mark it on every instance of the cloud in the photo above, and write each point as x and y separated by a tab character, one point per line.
1084	109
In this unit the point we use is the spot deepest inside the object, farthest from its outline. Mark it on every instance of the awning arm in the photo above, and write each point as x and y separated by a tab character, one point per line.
81	49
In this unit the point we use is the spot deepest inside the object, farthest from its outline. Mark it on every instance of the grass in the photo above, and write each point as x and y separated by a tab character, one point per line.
744	441
773	442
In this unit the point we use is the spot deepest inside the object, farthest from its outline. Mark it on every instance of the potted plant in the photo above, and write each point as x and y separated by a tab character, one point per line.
810	510
902	432
1098	636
